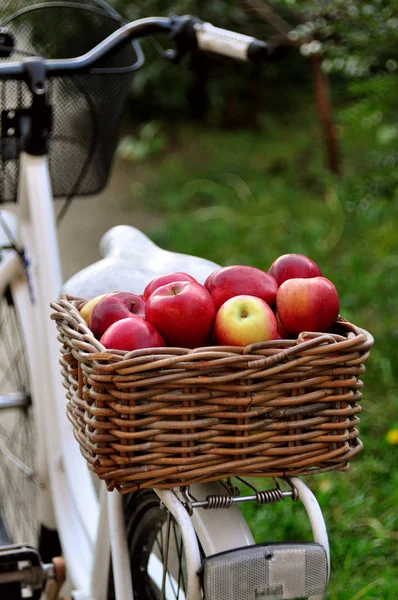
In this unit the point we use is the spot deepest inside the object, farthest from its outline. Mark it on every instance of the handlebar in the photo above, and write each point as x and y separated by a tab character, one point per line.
188	32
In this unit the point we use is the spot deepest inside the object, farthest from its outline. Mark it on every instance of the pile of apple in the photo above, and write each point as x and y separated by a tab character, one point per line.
236	306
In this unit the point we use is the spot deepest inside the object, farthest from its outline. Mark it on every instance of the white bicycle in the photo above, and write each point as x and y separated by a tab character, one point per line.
177	543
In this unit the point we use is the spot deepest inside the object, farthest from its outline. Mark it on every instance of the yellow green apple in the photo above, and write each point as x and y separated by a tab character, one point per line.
244	320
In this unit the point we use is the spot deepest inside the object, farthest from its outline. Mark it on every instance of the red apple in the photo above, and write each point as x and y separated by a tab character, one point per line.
163	279
244	320
88	307
183	312
290	266
310	304
227	282
112	308
281	330
209	281
132	333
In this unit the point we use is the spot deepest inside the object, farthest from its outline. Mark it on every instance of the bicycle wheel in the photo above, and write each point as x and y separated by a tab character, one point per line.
156	549
19	484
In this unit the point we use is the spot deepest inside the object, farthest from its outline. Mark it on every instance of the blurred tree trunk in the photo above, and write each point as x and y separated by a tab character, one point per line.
322	96
243	108
256	95
197	94
240	110
323	105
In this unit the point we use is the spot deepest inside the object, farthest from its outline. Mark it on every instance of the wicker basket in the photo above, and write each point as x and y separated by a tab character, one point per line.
171	416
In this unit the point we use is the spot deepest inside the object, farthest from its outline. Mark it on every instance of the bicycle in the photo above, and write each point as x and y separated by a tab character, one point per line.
54	490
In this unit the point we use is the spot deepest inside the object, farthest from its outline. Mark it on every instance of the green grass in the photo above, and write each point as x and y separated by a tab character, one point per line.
243	197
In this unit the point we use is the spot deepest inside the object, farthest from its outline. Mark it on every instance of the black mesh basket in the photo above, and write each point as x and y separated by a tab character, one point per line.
86	109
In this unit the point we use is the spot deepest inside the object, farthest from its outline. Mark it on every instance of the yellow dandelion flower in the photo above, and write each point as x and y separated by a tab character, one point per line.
392	436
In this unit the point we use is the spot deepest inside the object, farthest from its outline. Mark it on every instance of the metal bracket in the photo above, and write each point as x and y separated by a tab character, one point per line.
23	575
6	43
15	123
20	568
233	496
184	36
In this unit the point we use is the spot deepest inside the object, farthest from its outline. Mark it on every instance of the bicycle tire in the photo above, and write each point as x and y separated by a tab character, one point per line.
146	531
19	484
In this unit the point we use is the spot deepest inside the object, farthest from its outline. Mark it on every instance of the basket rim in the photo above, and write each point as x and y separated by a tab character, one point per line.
90	349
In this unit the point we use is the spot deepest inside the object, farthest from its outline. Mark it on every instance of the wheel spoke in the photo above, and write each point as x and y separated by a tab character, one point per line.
12	344
172	582
180	570
159	545
152	532
21	496
18	479
165	557
175	547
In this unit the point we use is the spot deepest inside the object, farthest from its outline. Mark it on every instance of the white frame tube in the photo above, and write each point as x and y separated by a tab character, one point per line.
102	551
191	547
317	521
10	269
120	554
73	496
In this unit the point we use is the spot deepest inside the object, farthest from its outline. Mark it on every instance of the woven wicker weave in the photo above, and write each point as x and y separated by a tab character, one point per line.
170	416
